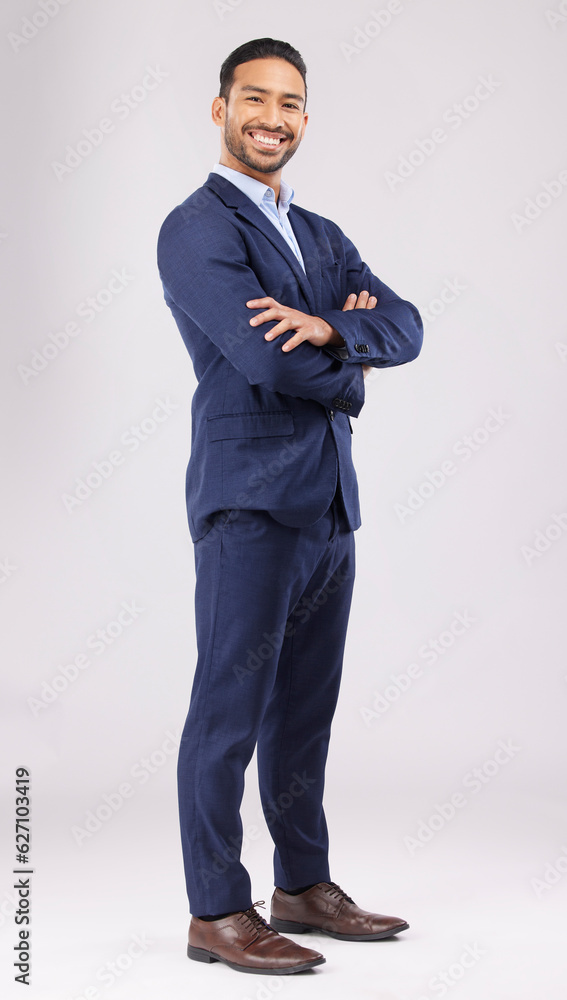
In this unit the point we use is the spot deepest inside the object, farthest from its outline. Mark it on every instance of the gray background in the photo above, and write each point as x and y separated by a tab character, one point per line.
488	877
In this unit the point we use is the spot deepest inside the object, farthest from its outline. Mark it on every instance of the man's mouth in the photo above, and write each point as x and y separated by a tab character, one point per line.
267	140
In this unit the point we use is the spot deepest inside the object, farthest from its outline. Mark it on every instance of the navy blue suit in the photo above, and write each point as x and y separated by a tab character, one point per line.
272	502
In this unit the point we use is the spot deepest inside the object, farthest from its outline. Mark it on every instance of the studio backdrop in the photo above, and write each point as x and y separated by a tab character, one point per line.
436	141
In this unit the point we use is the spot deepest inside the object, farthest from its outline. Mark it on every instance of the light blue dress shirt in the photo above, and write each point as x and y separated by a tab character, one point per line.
264	197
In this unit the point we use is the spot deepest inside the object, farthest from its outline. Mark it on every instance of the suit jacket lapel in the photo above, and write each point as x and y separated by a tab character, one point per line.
310	254
233	197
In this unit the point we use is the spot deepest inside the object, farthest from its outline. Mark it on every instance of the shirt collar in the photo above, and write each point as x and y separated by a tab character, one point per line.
257	191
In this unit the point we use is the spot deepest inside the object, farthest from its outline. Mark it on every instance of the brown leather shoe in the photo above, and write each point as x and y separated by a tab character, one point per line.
328	909
246	942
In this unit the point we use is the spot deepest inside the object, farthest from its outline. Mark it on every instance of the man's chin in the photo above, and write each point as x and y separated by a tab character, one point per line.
268	168
264	164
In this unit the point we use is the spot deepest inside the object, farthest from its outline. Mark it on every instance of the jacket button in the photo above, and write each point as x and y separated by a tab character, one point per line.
361	348
332	414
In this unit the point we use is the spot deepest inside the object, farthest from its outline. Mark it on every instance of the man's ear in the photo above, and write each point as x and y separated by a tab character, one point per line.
218	111
304	124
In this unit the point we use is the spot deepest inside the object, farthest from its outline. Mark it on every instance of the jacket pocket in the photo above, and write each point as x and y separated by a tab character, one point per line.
268	423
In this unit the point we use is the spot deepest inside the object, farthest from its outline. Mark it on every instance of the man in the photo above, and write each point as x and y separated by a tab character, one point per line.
283	321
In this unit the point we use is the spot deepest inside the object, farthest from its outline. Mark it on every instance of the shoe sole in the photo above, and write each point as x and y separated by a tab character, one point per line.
201	955
288	926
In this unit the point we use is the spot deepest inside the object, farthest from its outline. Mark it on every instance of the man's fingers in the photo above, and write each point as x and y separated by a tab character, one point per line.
372	302
364	300
261	303
282	327
266	317
292	342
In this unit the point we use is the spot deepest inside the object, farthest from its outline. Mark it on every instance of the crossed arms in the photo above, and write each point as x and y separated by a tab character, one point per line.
306	327
211	287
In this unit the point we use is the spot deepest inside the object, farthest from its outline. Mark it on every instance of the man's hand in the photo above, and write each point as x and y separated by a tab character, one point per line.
306	327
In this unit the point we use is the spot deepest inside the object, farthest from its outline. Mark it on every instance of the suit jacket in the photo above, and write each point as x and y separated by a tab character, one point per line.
271	429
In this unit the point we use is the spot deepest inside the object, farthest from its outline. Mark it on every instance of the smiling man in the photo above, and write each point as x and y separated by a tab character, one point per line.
282	320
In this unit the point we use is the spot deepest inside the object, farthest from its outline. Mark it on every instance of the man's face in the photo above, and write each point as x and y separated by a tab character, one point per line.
264	119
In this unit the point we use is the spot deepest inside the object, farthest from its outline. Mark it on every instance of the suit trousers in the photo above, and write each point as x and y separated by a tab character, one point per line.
271	610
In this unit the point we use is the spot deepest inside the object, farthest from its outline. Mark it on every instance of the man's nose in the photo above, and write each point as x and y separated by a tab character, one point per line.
272	116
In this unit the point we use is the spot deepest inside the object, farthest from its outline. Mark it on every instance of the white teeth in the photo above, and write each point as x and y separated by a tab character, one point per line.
266	141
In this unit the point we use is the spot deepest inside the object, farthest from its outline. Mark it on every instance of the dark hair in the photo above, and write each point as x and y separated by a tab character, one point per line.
259	48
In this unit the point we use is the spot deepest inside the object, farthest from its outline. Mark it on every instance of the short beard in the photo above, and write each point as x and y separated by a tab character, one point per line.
235	145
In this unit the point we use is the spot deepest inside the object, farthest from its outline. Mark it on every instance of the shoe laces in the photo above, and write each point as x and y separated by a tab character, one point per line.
335	890
251	917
